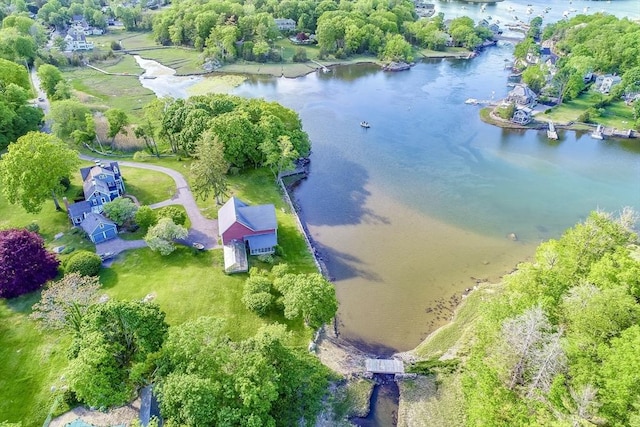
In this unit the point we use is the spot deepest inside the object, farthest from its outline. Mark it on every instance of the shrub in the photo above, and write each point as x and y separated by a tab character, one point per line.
300	55
25	264
115	45
174	213
83	262
146	217
256	295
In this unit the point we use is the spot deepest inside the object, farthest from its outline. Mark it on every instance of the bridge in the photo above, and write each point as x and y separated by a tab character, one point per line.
512	39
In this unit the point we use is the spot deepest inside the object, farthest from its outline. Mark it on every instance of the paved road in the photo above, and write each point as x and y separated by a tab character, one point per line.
202	230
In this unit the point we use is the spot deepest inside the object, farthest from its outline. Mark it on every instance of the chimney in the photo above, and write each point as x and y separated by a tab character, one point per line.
66	203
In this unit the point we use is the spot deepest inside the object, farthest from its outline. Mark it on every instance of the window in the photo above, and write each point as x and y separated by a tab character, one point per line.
101	225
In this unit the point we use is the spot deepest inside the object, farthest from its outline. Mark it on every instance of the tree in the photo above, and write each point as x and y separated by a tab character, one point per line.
109	357
121	210
210	168
174	213
279	154
63	303
160	237
10	72
118	119
146	217
69	116
620	376
307	296
257	295
17	117
49	76
534	77
32	169
86	263
25	264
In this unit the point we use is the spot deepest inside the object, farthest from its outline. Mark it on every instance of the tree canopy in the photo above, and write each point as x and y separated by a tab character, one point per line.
109	357
31	171
558	346
208	379
25	264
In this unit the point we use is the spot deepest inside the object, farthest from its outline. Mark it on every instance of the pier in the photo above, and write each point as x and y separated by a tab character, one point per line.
324	69
551	132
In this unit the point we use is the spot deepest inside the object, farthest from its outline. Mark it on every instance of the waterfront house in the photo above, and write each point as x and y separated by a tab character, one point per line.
76	39
101	184
522	115
604	83
522	95
255	226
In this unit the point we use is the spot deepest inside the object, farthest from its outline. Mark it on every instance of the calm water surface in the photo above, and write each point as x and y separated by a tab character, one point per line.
417	208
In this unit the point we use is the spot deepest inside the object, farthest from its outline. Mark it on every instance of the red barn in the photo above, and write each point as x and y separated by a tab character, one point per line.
256	226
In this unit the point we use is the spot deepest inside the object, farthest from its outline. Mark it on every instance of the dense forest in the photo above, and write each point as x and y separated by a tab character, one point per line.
560	345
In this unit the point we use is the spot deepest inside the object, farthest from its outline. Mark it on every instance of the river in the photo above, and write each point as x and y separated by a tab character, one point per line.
415	210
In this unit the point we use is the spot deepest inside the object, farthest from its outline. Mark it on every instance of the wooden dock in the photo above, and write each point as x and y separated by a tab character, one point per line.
324	69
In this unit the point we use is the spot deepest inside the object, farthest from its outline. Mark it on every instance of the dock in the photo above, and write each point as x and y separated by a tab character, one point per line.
324	69
597	134
551	132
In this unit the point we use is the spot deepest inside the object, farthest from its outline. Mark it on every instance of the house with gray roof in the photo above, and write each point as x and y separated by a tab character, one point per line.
255	226
99	228
101	184
521	94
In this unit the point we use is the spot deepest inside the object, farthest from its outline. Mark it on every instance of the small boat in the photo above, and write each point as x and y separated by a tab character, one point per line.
365	125
471	101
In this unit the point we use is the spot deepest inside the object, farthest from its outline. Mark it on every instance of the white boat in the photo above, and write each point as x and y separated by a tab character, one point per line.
471	101
365	125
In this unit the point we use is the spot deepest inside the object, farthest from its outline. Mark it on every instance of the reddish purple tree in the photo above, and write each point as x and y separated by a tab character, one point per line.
25	264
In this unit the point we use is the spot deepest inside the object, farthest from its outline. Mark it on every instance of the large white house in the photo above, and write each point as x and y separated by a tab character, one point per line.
76	39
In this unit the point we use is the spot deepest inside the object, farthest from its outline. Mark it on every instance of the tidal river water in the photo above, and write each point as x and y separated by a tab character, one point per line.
411	212
417	208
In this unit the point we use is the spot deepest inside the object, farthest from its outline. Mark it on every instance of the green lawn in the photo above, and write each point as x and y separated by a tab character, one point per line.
32	362
617	115
149	187
189	284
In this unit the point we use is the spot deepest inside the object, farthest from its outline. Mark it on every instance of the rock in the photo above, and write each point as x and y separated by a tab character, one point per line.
513	236
57	236
312	347
59	249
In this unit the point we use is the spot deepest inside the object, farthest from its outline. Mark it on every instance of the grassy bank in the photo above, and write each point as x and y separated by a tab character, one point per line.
437	399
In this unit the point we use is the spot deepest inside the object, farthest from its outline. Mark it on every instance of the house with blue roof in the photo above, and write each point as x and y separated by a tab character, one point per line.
101	184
